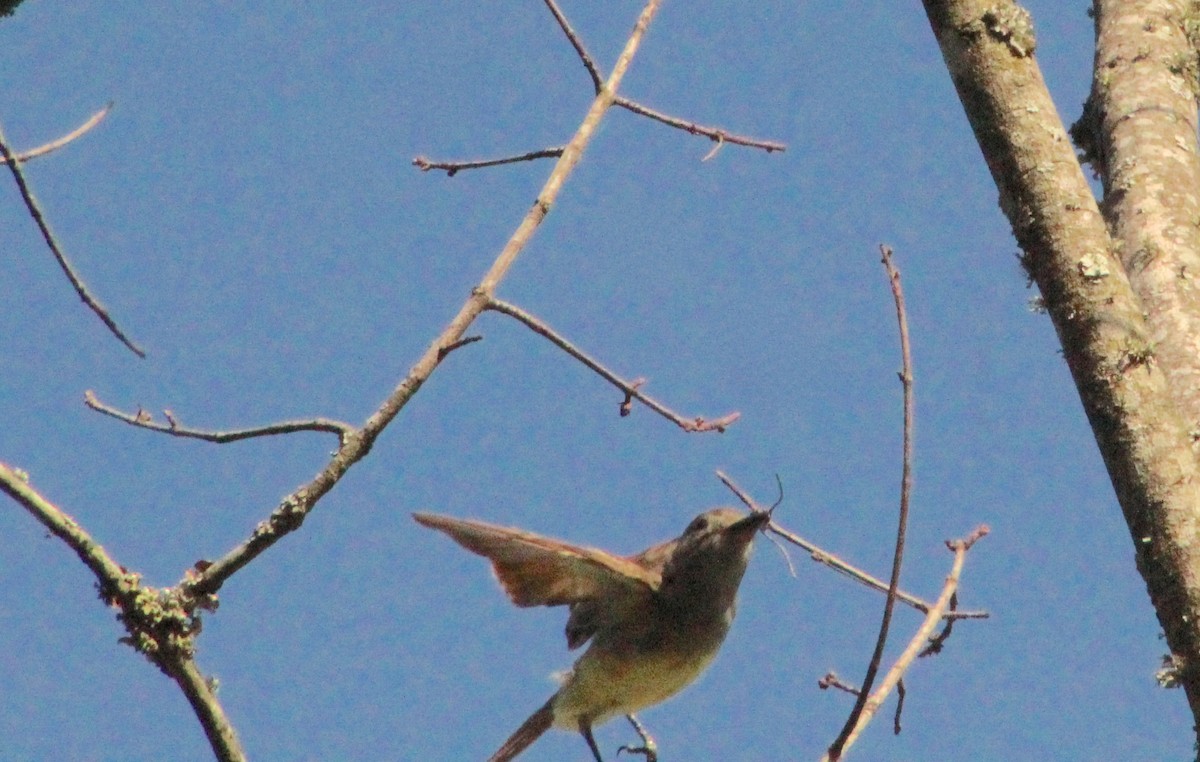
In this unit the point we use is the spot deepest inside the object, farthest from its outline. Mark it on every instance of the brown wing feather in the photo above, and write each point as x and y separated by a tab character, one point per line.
539	571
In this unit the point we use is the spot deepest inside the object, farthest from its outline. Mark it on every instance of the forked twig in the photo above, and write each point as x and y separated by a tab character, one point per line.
35	211
208	577
716	134
632	389
872	703
158	626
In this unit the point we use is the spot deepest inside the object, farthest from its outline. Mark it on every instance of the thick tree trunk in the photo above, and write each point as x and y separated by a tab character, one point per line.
1144	435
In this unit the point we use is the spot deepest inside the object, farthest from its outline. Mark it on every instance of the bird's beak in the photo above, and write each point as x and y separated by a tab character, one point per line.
755	521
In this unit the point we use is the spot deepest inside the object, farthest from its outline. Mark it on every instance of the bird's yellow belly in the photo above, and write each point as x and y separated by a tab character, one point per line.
604	684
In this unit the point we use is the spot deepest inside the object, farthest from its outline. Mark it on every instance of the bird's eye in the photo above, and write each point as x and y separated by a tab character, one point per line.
698	524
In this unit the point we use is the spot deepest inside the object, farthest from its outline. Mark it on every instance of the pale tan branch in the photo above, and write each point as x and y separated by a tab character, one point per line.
1142	115
201	694
291	512
54	145
109	574
871	705
161	624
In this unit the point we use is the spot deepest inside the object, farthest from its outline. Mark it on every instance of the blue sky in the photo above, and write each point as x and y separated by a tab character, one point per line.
249	213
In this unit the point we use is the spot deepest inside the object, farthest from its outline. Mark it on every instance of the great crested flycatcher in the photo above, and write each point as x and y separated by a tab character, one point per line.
655	619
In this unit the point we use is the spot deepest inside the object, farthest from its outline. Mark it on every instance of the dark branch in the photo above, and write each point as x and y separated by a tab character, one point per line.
630	388
588	63
457	345
716	134
35	211
452	167
906	380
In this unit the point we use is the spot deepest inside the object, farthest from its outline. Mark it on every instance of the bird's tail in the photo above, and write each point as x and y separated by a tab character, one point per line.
539	722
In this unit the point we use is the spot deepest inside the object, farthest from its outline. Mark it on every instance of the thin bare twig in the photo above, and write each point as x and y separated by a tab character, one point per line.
143	419
35	211
70	137
836	563
465	340
293	509
905	660
716	134
452	168
577	43
631	389
906	379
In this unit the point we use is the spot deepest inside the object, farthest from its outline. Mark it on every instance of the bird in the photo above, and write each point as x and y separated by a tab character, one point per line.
655	619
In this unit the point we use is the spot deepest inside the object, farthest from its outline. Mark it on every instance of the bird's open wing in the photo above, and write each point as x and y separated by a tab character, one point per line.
540	571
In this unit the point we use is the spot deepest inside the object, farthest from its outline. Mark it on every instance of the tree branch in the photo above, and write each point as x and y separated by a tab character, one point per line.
835	562
161	623
588	62
906	379
869	706
632	389
144	420
453	167
291	512
715	134
201	695
67	139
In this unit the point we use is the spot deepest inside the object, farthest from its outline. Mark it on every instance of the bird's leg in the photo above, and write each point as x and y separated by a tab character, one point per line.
585	729
648	747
